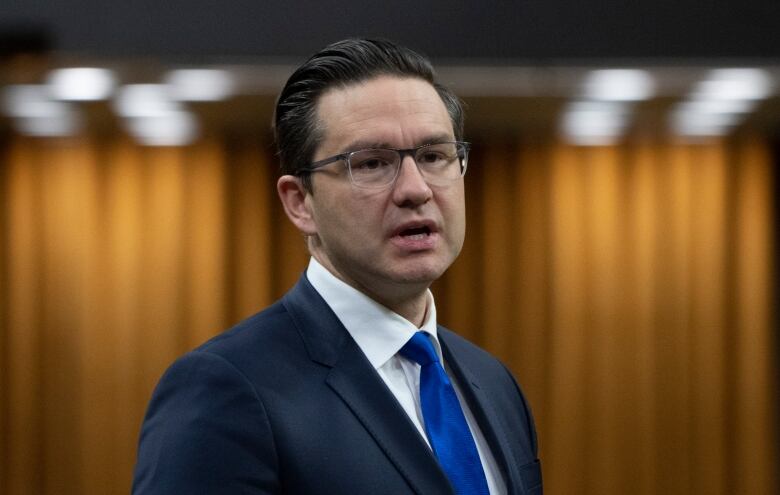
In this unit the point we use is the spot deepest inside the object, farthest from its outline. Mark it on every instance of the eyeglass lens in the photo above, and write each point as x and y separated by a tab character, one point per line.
438	164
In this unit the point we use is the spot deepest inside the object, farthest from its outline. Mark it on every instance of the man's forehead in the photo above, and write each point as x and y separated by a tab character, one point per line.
379	79
364	113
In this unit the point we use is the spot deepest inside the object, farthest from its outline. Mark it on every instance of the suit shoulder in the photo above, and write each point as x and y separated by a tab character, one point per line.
266	330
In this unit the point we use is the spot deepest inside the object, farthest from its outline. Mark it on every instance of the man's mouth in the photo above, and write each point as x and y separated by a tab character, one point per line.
416	236
417	233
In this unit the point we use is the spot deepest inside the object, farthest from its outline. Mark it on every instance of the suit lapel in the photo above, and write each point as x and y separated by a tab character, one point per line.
493	428
361	388
359	385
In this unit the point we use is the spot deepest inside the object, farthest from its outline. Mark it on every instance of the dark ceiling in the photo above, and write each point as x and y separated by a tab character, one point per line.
494	31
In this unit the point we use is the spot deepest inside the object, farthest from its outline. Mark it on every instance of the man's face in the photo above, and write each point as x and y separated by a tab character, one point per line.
372	238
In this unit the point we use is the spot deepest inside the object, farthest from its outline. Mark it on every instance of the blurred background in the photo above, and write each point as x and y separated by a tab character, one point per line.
622	220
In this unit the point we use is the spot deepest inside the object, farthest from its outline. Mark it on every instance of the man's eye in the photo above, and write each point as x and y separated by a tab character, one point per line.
431	157
371	164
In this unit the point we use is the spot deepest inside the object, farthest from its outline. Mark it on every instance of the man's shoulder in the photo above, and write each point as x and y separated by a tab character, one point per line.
264	324
265	334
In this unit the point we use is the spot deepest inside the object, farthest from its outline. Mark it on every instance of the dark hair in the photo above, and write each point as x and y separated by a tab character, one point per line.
343	63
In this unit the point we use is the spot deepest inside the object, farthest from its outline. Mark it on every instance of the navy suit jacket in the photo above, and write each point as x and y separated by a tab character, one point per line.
287	403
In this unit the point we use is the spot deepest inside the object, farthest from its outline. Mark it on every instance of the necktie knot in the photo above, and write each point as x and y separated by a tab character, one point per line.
420	350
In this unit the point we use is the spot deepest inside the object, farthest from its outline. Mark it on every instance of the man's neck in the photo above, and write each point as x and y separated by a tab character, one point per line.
412	307
413	310
410	304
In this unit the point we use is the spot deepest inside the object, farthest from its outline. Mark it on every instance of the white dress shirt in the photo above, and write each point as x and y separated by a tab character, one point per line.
380	333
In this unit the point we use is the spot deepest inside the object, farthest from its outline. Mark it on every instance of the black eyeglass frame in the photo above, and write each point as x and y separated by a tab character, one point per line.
314	166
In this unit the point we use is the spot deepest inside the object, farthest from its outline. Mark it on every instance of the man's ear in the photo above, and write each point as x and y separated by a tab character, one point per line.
293	195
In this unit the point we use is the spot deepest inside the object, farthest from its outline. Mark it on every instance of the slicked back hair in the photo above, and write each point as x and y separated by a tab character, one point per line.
296	127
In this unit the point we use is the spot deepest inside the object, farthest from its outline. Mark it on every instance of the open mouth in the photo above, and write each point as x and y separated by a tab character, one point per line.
416	233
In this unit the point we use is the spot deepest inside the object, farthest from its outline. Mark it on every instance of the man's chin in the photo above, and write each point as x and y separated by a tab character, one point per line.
423	274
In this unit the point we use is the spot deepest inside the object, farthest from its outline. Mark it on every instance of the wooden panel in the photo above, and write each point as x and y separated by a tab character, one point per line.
205	236
255	191
708	319
567	448
497	266
604	343
94	349
642	198
25	433
755	433
63	286
529	308
123	275
672	386
161	332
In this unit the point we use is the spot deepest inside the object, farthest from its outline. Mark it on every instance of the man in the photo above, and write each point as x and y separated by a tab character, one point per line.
340	387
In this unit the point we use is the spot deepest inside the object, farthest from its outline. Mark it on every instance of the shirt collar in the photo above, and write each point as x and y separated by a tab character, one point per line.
379	332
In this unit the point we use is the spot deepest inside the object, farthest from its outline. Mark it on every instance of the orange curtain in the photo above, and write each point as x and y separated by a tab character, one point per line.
629	288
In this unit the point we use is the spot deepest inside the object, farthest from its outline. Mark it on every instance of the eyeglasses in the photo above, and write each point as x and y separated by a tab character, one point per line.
438	163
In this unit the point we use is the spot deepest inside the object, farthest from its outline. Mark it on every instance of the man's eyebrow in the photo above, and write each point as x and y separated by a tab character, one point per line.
363	144
436	138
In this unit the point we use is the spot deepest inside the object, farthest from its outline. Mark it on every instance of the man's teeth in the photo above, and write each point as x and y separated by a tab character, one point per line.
416	234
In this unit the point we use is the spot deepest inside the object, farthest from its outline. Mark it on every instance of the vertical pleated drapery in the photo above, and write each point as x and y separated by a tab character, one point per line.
629	288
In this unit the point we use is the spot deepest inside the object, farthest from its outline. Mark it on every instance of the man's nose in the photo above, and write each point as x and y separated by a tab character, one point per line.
410	188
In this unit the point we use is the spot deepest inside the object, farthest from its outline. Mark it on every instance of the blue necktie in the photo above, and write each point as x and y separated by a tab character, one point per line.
445	423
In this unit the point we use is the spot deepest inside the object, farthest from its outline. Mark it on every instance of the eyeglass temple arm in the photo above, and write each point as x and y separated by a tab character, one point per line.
314	166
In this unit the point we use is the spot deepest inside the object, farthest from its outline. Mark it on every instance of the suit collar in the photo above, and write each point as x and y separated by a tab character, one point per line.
322	333
361	388
356	381
490	422
379	332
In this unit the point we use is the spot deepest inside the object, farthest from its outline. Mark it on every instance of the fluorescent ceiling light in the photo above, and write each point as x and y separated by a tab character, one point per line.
710	107
200	84
81	83
66	124
591	140
153	118
144	100
31	100
594	122
721	101
173	129
705	120
700	124
34	114
618	85
734	84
